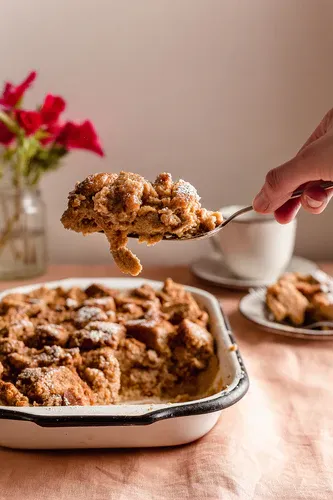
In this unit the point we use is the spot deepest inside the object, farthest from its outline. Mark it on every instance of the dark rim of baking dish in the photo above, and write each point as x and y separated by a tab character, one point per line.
218	403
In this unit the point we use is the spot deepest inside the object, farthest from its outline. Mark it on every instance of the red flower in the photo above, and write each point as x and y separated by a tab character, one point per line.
80	136
53	129
52	108
6	136
30	121
11	94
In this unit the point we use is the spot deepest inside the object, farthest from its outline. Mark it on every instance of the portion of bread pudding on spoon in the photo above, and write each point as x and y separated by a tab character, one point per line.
127	204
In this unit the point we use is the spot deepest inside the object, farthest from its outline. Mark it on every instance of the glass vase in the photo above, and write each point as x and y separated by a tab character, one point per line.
23	250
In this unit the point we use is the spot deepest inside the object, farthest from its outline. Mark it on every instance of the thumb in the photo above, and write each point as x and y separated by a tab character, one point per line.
313	163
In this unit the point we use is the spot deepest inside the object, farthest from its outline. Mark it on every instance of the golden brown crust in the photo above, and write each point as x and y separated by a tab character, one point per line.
58	386
192	347
323	306
49	334
156	333
301	299
100	346
286	302
125	204
11	396
98	334
102	373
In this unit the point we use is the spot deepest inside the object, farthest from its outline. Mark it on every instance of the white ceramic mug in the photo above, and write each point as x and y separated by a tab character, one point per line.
255	246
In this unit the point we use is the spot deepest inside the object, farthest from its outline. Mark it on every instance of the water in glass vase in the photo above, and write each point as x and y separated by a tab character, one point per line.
22	233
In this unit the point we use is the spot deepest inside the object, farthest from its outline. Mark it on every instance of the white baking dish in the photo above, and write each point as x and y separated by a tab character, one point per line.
125	425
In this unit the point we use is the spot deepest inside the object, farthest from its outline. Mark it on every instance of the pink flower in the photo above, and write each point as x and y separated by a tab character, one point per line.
30	121
6	136
12	94
52	108
80	136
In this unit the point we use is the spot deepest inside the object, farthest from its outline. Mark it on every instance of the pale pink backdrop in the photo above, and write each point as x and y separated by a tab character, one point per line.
215	91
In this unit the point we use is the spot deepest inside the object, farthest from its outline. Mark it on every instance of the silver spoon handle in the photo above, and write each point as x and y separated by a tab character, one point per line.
322	185
295	194
236	214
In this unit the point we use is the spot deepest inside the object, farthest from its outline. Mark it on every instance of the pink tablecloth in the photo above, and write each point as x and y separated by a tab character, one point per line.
277	443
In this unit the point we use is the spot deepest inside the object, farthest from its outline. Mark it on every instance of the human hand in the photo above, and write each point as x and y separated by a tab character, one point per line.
312	164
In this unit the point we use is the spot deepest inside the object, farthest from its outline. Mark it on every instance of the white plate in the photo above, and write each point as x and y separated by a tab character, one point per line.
252	306
213	270
125	425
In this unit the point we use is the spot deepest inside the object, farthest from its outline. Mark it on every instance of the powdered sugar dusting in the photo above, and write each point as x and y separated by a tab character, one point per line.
71	302
86	314
143	322
329	297
96	335
56	353
51	329
323	278
324	288
102	301
35	374
90	338
105	327
22	323
35	301
199	332
65	401
187	190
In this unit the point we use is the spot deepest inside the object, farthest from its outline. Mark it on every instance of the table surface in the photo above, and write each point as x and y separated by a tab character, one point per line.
276	443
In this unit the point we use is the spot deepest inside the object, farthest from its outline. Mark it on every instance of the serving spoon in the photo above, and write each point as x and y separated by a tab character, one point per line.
296	194
202	236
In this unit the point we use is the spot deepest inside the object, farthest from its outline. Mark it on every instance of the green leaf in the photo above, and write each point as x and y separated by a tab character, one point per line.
41	134
30	146
8	154
10	124
19	102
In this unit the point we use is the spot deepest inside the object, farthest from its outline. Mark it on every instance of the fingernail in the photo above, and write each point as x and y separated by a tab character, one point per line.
261	201
313	203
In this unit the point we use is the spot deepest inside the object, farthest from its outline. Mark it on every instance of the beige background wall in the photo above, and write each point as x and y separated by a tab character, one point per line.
214	91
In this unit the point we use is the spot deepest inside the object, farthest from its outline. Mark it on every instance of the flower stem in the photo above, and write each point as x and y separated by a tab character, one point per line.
6	234
17	254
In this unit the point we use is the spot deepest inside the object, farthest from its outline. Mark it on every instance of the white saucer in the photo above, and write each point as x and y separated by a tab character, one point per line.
213	270
252	306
